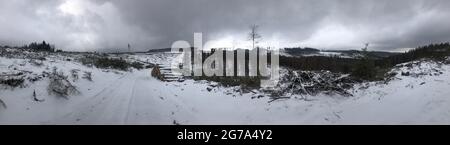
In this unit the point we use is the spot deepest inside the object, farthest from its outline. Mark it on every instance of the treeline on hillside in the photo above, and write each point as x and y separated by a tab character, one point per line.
35	46
301	51
432	51
365	67
313	63
41	47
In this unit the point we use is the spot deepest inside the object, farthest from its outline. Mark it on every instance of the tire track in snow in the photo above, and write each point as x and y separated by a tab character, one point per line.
130	103
95	104
152	103
131	99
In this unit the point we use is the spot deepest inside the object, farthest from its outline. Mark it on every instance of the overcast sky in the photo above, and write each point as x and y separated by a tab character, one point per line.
87	25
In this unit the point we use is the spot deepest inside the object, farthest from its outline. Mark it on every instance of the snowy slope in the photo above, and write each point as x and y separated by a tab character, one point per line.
136	98
23	109
422	97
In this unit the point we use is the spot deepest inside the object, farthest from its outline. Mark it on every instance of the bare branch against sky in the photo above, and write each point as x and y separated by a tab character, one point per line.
149	24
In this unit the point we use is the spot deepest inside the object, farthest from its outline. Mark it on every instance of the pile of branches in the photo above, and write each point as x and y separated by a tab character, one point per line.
315	82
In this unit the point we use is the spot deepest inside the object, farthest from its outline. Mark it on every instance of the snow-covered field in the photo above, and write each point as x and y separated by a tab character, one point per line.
118	97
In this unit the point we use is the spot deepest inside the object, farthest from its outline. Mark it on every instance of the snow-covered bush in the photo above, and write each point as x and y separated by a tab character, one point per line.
36	62
137	65
60	85
104	62
112	63
12	80
87	76
87	61
35	77
74	74
150	65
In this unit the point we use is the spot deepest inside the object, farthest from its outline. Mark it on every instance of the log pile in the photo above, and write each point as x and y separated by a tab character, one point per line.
165	73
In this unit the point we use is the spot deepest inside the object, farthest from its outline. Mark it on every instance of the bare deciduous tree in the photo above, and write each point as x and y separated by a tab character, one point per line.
254	35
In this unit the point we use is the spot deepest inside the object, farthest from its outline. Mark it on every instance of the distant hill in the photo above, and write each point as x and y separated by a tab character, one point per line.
307	51
160	50
371	54
301	51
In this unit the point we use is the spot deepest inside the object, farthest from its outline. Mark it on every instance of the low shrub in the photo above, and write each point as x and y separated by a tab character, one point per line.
137	65
104	62
112	63
13	82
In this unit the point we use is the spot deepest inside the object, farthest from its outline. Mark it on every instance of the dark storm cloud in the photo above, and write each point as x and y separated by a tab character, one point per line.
77	25
149	24
173	20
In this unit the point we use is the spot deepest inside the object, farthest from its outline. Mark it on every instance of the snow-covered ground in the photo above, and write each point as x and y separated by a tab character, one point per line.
115	97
